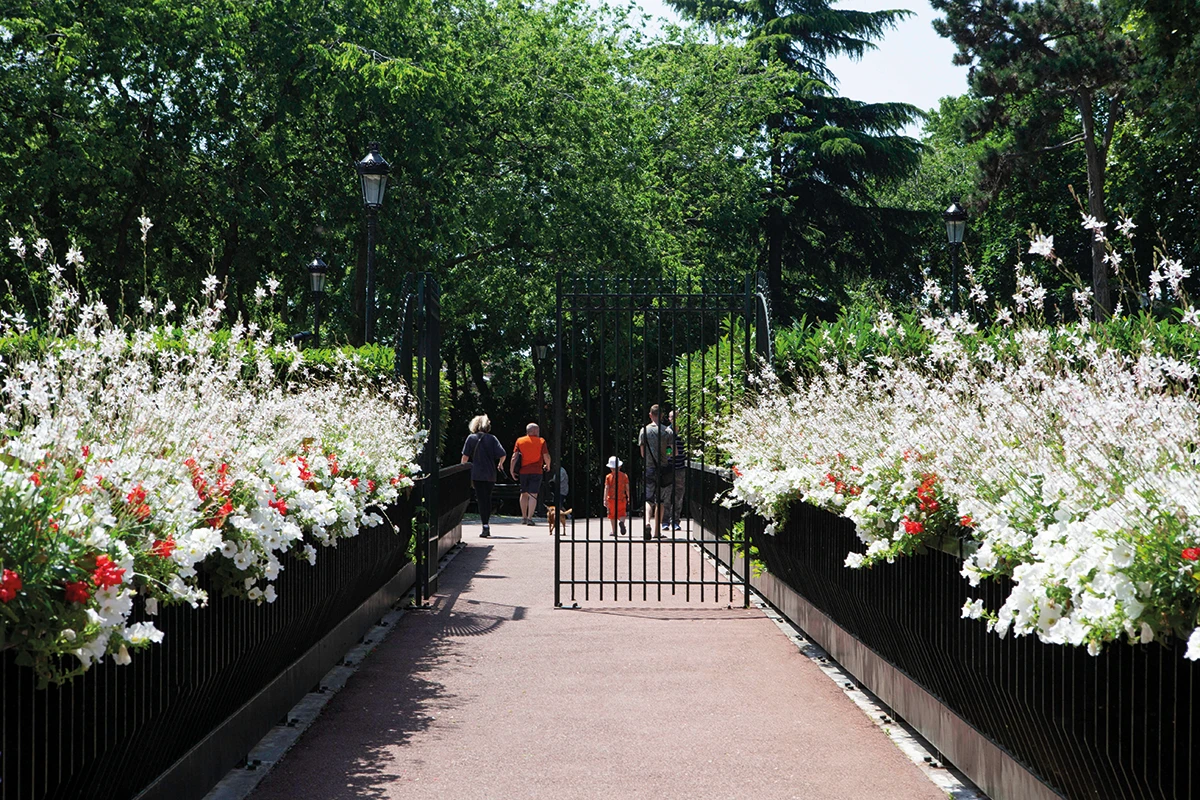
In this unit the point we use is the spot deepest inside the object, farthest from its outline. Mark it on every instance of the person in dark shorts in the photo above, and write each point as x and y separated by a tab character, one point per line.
677	493
486	456
531	458
657	444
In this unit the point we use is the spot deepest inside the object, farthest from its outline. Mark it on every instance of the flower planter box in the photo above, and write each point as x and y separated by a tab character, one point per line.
1021	718
183	713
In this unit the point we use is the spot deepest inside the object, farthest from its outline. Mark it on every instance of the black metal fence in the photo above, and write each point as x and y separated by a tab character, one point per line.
1117	725
114	731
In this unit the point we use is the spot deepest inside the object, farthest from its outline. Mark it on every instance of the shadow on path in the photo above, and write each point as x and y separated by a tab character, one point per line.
398	693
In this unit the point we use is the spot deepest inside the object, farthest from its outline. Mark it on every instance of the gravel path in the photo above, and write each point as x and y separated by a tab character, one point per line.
493	693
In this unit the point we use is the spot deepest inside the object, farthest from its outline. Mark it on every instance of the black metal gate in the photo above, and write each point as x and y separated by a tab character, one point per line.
419	364
622	346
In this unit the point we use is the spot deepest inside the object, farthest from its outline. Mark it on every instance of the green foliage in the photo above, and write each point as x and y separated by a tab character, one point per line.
855	339
827	154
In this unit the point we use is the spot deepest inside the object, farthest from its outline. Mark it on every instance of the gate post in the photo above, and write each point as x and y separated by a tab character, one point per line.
559	419
418	363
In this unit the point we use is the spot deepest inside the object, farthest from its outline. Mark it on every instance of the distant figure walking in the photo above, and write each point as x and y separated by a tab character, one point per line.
616	494
486	456
531	458
657	444
678	491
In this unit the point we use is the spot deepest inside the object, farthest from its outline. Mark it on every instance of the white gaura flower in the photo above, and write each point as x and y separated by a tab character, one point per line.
210	284
147	305
146	225
1042	246
17	245
74	256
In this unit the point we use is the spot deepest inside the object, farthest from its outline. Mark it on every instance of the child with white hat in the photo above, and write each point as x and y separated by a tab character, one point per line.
616	494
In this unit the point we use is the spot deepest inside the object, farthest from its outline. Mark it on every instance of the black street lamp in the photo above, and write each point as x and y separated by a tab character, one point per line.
317	270
956	226
373	172
539	358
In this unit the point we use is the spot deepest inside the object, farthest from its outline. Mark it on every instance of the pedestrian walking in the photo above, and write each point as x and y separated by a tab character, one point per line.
616	494
486	456
656	442
530	459
678	491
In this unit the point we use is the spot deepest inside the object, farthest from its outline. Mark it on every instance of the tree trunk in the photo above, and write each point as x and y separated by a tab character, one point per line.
775	221
1096	167
475	366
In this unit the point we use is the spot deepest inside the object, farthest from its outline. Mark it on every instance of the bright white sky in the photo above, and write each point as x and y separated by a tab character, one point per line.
911	65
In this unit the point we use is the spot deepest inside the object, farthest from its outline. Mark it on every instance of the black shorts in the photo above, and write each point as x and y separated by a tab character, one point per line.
531	483
656	481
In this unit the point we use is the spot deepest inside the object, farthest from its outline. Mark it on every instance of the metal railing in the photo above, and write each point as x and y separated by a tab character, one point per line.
1117	725
114	731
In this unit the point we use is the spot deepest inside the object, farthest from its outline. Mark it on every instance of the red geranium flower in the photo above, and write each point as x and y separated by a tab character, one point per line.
10	584
224	511
1191	553
912	526
164	547
966	521
107	573
77	592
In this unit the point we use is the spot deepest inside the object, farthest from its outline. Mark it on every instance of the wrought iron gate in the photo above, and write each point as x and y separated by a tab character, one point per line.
418	363
623	345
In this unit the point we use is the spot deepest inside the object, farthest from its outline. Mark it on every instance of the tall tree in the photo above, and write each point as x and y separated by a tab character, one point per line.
1034	63
823	149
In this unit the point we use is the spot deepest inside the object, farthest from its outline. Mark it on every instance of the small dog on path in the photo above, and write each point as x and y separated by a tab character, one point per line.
552	516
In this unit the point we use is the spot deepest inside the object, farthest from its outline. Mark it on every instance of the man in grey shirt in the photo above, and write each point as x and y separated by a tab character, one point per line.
657	444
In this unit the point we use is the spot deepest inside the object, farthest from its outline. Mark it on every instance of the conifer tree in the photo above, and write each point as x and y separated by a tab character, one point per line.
824	149
1032	63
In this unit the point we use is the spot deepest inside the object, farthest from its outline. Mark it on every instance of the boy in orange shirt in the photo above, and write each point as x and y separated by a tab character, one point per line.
531	457
616	494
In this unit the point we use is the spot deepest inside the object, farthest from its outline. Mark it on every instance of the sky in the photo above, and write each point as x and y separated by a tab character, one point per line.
911	65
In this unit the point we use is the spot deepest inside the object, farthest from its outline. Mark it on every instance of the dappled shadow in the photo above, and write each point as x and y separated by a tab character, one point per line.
355	749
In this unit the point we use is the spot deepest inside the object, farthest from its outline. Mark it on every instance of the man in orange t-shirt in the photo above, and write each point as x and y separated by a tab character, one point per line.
531	458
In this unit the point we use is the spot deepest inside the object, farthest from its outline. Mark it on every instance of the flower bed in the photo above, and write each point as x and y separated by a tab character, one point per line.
144	452
1064	458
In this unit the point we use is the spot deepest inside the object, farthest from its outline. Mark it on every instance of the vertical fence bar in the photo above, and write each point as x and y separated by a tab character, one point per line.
559	429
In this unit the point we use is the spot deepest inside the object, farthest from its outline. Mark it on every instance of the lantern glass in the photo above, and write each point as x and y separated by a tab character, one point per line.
373	170
956	223
373	188
541	351
317	271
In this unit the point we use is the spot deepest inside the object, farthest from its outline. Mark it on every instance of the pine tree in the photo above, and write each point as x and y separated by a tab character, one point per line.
824	149
1034	62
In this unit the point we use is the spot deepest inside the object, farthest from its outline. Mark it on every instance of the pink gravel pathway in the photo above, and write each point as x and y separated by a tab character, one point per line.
495	694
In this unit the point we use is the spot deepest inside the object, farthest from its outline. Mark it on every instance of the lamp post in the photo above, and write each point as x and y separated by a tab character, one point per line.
539	358
373	172
956	226
317	270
